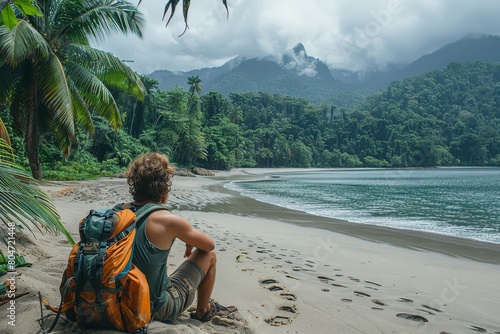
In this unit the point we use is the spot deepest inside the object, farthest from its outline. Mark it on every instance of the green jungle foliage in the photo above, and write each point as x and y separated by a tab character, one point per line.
443	118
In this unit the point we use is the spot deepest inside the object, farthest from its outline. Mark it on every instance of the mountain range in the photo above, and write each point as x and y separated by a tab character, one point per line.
297	74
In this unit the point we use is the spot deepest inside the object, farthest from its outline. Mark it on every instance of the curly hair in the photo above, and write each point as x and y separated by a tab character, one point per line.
150	177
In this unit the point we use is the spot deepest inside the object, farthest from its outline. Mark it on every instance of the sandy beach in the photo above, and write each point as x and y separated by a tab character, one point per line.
287	271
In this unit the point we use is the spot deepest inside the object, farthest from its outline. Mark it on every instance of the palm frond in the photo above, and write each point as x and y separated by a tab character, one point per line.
21	43
95	94
185	10
55	94
224	2
8	77
170	3
82	114
4	134
108	68
22	200
79	20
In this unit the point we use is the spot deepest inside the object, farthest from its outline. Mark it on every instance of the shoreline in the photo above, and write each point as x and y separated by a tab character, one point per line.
419	240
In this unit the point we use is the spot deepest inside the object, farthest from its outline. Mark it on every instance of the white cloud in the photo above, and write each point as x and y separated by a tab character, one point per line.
352	34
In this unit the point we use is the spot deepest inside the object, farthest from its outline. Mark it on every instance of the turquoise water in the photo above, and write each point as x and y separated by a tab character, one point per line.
462	202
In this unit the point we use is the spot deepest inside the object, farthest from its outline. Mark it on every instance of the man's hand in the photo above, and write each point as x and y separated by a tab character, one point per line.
188	251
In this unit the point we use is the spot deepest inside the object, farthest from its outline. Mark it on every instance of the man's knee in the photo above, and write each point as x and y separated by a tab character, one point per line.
204	259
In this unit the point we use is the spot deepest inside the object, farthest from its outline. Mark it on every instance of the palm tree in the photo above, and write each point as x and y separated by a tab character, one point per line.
195	86
235	115
54	79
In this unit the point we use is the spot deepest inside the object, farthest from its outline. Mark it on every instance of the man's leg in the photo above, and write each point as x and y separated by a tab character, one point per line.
207	262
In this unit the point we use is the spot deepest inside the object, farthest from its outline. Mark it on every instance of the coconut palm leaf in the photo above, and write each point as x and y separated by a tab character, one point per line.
55	94
98	19
185	10
21	43
4	134
8	77
170	3
107	68
22	200
96	95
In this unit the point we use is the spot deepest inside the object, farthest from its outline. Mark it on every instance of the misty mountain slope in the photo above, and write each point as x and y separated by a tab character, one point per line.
468	49
297	74
266	75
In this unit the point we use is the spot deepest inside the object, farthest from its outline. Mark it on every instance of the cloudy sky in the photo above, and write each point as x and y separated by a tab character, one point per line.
350	34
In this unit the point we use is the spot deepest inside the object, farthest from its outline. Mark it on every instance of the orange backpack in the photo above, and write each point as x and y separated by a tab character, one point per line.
100	286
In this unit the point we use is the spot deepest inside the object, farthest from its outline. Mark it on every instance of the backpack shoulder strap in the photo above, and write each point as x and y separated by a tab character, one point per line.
143	212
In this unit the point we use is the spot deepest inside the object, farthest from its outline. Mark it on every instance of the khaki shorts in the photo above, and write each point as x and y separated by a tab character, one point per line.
185	280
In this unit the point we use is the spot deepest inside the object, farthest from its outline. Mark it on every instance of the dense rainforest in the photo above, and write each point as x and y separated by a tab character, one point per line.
442	118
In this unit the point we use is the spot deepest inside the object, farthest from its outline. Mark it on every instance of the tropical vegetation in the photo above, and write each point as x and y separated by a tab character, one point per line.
443	118
52	77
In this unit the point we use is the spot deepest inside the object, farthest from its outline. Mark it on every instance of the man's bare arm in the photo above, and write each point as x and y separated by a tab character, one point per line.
191	236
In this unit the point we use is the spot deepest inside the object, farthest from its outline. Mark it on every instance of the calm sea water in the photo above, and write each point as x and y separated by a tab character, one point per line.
453	201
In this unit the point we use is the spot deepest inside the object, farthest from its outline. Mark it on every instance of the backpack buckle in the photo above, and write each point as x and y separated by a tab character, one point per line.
91	247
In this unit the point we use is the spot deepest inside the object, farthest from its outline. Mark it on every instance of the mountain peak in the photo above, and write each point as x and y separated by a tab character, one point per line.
299	48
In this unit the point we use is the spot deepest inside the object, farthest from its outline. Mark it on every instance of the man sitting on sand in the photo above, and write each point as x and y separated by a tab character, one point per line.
149	178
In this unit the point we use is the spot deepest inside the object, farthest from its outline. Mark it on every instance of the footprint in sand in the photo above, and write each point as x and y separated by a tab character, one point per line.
288	296
278	321
405	300
412	317
379	302
425	311
288	308
478	329
282	318
271	285
324	279
361	294
373	283
432	308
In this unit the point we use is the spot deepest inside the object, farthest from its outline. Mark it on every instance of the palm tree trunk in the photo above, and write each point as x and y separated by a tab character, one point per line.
32	152
31	137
